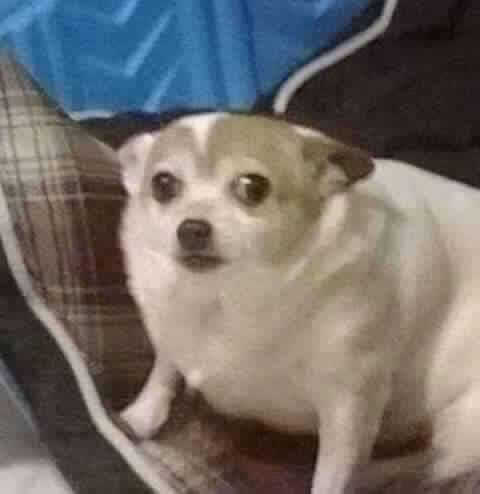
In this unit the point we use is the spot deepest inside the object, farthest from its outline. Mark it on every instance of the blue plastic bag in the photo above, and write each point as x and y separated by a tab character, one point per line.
151	55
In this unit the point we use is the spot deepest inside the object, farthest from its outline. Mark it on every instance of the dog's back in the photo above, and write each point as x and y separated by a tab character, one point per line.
441	368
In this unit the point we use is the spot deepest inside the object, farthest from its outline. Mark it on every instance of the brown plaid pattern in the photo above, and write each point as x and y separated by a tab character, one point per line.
65	200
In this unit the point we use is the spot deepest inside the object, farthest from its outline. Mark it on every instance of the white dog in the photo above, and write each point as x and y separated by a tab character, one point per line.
288	293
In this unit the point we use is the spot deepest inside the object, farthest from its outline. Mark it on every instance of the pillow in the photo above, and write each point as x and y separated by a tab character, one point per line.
65	199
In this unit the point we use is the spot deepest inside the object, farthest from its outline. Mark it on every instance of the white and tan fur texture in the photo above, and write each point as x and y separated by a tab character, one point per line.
345	303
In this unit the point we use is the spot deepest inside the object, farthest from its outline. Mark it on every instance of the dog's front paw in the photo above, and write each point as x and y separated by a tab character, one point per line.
142	420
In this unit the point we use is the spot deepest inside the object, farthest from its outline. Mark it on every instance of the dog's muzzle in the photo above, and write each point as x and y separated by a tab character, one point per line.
195	239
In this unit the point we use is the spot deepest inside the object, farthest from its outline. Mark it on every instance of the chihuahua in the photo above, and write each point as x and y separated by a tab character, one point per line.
294	280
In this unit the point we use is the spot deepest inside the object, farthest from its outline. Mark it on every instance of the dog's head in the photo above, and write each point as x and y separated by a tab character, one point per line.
216	189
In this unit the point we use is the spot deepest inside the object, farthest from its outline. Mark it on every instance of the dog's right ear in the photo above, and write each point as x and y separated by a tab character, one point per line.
133	155
336	165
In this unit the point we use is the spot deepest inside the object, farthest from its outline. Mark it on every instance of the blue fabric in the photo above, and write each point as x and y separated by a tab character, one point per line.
126	55
9	388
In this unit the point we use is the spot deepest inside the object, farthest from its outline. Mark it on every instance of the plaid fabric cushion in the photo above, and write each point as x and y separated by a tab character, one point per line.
65	199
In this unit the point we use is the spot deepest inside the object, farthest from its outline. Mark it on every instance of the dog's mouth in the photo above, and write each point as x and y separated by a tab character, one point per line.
201	262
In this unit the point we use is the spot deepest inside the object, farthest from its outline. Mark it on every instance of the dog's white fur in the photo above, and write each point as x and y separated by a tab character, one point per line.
368	328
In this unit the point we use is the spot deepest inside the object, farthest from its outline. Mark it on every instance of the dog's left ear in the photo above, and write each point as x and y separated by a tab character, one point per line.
133	155
336	166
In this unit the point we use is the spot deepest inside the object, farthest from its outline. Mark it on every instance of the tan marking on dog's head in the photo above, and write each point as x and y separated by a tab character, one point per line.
299	159
245	143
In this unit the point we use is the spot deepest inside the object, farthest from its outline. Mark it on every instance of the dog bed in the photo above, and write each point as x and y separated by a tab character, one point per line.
70	333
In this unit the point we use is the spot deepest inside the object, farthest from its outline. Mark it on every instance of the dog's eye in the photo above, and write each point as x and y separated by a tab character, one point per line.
251	188
165	187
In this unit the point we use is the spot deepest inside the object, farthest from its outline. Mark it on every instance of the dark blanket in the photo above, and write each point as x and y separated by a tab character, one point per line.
412	94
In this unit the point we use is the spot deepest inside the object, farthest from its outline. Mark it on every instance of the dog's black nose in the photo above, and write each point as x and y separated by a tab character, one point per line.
194	234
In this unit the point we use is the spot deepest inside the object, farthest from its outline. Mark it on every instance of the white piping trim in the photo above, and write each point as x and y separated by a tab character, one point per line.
345	49
124	446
